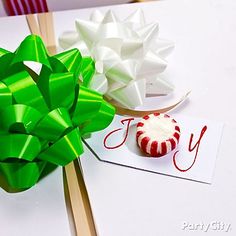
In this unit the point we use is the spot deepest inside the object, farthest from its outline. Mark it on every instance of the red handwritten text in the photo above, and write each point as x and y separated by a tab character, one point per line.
116	130
190	149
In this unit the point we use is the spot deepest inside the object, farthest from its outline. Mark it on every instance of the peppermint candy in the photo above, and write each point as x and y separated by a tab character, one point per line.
157	134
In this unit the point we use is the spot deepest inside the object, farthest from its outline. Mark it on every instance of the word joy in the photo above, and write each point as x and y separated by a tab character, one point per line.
205	227
193	145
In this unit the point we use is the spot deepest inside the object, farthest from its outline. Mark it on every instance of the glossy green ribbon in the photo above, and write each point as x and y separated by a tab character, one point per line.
43	115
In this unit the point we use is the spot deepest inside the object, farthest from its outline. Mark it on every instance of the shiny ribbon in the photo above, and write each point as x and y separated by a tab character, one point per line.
129	56
44	111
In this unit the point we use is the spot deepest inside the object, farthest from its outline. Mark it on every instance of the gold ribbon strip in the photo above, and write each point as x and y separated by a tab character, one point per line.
80	205
141	113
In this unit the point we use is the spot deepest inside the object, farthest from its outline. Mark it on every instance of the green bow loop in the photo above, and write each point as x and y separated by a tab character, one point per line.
22	175
91	112
32	49
3	52
102	118
87	105
44	111
68	61
19	118
5	59
70	144
5	95
56	83
87	70
53	125
25	91
19	146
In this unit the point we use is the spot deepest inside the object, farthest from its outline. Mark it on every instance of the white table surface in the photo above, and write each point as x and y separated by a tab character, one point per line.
127	202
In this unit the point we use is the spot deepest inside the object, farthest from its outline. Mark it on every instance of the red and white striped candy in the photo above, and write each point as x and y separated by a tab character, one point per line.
157	134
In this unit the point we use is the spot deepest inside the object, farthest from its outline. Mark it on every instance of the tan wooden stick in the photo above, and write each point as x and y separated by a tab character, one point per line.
43	27
80	205
33	26
47	29
79	201
50	32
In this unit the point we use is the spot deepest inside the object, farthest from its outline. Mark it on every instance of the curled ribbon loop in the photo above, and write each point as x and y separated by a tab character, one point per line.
44	111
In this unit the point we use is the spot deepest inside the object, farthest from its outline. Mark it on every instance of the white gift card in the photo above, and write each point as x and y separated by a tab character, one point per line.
194	158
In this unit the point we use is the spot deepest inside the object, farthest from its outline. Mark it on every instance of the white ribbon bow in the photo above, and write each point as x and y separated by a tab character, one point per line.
128	56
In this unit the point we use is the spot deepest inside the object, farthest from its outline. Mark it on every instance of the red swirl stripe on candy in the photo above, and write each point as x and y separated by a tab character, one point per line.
21	7
156	147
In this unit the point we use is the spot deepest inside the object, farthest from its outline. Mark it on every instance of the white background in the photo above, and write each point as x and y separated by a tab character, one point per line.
126	202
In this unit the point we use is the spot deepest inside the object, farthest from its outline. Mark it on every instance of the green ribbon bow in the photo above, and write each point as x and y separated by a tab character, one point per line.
43	115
